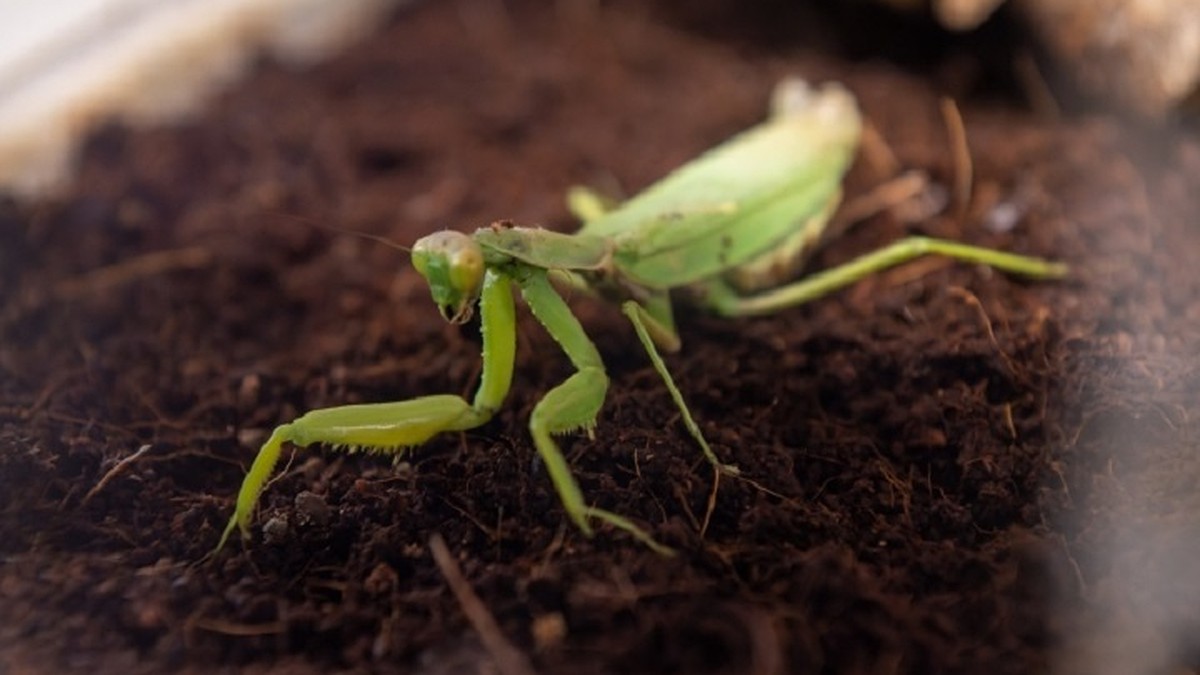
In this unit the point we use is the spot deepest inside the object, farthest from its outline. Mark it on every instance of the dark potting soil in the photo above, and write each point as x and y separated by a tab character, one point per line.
946	469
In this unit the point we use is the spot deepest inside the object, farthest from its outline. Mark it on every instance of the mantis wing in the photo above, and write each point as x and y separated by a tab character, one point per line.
739	199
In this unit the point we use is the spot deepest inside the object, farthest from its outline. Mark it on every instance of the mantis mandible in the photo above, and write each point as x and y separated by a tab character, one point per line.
722	228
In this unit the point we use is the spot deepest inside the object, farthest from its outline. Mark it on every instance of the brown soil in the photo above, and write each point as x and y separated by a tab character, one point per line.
949	470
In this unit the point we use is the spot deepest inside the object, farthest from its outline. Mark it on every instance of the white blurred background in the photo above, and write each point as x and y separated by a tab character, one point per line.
67	64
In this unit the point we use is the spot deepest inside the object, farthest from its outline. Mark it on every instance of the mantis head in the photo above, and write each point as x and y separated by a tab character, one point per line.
452	264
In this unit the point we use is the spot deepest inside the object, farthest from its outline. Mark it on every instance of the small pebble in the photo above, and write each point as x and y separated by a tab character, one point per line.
275	530
311	509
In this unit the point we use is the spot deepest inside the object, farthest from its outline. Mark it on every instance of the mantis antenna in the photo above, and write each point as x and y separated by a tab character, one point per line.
337	229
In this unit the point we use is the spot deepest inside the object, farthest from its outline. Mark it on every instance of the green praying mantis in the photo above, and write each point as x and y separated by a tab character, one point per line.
724	229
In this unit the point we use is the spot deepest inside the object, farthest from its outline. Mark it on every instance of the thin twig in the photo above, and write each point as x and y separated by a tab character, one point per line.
878	154
509	660
239	629
712	501
112	473
963	169
489	532
107	278
1038	91
886	195
973	300
126	271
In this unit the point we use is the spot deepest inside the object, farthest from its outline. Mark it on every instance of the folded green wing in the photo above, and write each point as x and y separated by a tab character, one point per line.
739	199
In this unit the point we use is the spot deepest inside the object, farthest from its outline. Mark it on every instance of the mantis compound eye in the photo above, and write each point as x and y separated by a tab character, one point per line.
452	263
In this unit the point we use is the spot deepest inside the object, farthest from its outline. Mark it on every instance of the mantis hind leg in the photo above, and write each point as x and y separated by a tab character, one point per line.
727	301
643	322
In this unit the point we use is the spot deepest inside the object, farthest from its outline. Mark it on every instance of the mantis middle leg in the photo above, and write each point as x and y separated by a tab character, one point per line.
572	405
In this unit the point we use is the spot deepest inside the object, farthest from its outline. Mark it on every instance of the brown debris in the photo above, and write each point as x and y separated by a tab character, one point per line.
944	469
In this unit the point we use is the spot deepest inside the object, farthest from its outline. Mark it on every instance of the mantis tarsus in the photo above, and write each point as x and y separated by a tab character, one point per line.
723	228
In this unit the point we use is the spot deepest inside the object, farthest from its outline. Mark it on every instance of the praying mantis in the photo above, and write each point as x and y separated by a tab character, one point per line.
723	230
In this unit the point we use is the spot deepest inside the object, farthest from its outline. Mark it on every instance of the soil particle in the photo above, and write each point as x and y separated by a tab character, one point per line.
946	469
